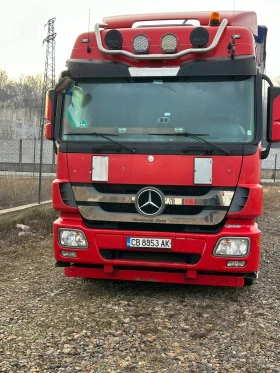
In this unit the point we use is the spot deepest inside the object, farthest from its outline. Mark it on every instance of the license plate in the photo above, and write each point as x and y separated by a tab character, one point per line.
151	243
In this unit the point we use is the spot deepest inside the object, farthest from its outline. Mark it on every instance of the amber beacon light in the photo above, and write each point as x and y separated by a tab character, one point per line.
214	19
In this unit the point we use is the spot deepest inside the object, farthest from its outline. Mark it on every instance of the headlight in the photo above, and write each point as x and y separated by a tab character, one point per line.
232	246
72	238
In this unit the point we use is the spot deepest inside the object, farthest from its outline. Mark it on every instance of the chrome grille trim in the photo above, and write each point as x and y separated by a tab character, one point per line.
206	217
213	198
215	201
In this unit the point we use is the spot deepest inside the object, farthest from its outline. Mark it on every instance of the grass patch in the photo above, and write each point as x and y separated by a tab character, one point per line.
17	191
40	221
271	194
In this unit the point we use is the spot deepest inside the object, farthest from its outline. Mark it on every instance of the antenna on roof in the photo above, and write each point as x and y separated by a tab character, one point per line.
88	47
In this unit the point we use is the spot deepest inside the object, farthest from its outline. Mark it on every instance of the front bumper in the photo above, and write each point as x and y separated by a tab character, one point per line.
189	261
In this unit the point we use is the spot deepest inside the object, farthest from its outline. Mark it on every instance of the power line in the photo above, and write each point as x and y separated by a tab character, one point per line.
49	82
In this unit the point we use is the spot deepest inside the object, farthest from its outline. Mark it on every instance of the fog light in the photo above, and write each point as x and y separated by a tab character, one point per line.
68	254
169	43
113	39
236	263
199	37
141	44
72	238
232	246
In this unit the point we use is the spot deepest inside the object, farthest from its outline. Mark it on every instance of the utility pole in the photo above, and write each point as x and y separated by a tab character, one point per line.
49	82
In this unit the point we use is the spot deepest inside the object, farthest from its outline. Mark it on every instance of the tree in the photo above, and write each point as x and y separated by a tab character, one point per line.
7	87
3	78
25	92
29	88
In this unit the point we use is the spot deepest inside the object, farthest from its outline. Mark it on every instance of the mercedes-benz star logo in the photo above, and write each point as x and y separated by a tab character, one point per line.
149	201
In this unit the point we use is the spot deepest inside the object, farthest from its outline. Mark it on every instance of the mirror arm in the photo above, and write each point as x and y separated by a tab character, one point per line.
64	85
55	147
264	153
266	78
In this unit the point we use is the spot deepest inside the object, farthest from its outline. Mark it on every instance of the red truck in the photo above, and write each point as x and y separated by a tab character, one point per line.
157	123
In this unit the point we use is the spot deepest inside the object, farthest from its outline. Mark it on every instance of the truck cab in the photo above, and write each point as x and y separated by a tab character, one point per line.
157	123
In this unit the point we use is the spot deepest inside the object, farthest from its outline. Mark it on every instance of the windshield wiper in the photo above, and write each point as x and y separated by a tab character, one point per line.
77	131
196	136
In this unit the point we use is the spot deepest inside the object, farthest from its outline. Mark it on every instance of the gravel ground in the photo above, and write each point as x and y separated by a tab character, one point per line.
50	323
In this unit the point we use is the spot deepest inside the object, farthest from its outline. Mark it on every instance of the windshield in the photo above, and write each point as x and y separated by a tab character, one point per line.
155	110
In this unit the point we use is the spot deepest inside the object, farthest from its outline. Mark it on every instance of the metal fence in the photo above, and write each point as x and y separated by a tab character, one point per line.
271	166
22	180
24	156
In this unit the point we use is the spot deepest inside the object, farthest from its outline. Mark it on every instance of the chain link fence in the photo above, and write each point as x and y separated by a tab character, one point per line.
20	180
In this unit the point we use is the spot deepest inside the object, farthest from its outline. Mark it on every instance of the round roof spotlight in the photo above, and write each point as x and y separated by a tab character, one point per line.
141	44
113	39
199	37
169	43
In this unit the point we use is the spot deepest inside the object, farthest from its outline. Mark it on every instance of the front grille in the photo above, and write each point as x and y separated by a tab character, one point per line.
165	205
166	189
136	227
148	256
172	210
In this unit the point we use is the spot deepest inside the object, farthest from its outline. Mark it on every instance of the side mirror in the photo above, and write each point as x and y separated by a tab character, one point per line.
63	86
273	114
49	113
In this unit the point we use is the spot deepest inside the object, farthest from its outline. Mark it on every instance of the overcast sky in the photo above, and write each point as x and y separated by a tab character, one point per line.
22	26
